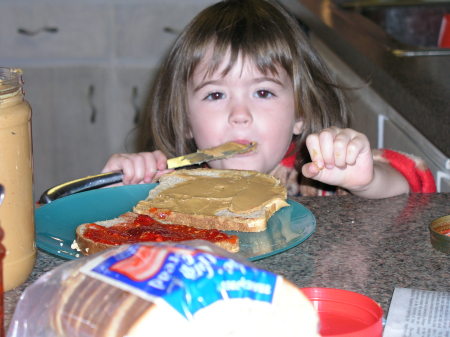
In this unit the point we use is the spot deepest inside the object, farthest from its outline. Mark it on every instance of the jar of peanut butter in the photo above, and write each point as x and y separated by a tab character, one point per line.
16	174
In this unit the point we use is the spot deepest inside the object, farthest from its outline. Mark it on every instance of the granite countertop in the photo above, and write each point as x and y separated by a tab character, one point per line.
362	245
417	87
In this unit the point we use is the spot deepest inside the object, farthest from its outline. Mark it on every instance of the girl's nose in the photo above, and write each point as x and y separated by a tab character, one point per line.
240	115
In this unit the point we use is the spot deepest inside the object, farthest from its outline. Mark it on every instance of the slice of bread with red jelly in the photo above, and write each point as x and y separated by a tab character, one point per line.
131	227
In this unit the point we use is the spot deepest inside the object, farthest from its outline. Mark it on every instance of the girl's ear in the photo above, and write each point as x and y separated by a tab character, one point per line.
298	127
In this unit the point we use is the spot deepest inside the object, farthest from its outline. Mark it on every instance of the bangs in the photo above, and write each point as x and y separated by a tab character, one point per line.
233	33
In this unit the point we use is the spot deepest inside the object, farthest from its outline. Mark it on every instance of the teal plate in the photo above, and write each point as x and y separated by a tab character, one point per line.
56	222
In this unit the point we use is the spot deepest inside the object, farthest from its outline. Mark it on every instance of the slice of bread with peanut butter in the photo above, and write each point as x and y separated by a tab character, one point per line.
235	200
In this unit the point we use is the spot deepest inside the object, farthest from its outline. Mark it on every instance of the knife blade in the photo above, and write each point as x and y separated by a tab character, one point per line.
104	179
222	151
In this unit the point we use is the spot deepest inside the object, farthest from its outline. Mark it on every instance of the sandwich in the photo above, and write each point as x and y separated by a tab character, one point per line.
231	200
190	205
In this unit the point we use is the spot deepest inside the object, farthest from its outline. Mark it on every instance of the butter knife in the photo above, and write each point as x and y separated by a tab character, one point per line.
202	156
104	179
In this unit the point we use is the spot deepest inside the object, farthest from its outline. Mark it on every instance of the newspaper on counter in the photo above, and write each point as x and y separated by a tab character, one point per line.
418	313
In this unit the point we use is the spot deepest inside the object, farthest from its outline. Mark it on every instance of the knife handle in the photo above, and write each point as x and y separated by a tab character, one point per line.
80	185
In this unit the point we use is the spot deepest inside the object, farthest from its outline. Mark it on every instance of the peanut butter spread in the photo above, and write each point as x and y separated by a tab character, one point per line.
207	195
230	146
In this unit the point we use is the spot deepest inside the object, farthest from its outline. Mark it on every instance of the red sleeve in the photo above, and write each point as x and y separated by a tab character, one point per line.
414	170
289	157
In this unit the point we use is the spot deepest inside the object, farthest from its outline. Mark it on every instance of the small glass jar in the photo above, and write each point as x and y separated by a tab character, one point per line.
16	174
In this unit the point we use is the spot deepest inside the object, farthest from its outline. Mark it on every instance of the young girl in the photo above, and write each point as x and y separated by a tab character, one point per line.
244	71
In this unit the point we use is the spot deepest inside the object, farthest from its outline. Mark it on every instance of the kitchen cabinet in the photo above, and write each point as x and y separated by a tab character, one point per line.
53	31
401	137
131	86
69	107
145	30
384	126
87	68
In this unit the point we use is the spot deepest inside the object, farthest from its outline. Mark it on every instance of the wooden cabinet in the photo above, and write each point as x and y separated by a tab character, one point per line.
87	69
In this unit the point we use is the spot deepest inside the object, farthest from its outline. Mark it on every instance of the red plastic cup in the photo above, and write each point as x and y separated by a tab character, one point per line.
344	313
444	34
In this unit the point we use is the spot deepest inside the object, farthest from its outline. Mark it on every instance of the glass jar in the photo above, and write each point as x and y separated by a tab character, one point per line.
16	174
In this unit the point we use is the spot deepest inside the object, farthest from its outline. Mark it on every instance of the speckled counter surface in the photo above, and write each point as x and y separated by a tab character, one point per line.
367	246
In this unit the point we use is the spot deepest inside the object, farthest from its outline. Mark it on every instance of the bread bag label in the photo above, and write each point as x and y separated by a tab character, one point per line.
186	278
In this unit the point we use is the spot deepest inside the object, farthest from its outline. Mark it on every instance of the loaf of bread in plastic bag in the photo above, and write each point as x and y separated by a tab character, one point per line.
160	289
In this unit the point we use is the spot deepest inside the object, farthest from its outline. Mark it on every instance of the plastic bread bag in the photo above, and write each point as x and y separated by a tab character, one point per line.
193	288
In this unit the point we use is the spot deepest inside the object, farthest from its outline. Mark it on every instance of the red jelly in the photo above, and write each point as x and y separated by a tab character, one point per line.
144	228
159	213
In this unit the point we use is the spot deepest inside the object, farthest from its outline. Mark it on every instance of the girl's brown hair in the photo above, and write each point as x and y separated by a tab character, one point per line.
257	30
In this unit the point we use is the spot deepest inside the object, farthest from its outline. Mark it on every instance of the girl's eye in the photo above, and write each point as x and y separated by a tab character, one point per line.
264	94
214	96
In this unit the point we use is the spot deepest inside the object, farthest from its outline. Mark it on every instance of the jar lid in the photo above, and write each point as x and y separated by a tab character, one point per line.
10	80
345	313
440	234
